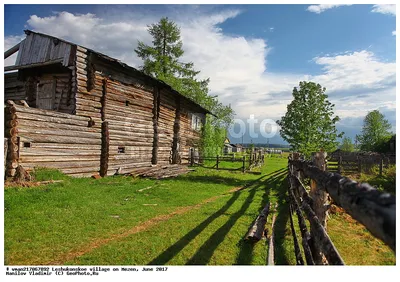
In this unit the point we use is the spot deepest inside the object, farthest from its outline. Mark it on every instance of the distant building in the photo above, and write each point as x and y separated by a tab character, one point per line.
237	148
227	148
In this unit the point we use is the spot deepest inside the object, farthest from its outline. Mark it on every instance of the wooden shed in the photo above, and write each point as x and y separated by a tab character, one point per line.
80	111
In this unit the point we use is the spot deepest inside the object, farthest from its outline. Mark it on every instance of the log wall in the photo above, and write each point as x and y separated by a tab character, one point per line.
190	138
52	139
129	112
14	89
166	126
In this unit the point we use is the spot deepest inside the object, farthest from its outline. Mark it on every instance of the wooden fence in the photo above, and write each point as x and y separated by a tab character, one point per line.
255	159
374	209
358	162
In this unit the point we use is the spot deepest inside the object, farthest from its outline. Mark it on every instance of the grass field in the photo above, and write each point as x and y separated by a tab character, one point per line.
198	218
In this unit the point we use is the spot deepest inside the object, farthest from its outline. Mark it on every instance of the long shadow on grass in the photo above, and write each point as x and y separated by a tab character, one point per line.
205	252
173	250
228	180
245	256
168	254
282	218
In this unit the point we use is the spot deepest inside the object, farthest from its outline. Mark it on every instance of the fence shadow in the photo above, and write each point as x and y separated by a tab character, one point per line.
203	255
281	223
205	252
247	247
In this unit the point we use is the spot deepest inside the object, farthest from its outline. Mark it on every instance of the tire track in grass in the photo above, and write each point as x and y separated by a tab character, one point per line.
136	229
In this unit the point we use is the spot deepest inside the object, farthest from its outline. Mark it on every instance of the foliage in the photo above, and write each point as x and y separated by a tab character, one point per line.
308	124
375	133
212	142
347	145
162	61
385	182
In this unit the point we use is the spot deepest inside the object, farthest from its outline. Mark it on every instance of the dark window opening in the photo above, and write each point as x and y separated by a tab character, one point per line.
121	150
27	144
126	103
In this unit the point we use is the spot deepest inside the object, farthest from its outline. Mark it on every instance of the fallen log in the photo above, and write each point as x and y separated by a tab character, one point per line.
256	231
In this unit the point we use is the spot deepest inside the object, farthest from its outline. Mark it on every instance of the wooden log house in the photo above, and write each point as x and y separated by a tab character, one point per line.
74	109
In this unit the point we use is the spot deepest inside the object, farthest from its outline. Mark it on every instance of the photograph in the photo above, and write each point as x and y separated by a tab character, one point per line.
154	137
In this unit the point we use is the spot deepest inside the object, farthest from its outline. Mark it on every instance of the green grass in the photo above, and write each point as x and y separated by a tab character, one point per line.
88	221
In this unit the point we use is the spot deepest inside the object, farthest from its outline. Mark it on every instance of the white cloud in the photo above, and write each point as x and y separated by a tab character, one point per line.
323	7
389	9
357	70
394	33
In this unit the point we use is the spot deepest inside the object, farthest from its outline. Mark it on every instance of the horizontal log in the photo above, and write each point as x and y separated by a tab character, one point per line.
22	109
81	49
256	231
39	159
125	165
62	164
374	209
58	132
65	146
88	103
81	65
25	152
128	157
114	110
129	143
85	113
121	120
94	169
87	97
116	137
41	138
32	124
133	98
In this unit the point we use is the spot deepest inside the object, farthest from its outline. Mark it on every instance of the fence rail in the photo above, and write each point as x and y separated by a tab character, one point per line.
358	163
248	162
374	209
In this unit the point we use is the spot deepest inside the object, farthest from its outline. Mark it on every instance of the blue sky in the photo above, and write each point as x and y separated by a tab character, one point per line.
253	54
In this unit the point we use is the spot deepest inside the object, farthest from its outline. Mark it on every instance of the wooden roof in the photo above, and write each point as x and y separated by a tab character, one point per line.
29	53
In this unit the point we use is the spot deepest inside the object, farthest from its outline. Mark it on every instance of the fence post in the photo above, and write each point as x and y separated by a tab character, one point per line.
217	161
381	166
340	165
320	199
244	164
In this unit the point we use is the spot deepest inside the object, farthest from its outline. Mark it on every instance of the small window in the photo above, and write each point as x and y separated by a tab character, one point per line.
121	150
27	144
126	103
196	122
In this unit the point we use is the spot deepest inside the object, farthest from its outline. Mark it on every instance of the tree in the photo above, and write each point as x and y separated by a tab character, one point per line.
375	132
309	124
347	145
162	61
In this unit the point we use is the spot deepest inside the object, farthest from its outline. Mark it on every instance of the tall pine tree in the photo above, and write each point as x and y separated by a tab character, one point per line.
162	61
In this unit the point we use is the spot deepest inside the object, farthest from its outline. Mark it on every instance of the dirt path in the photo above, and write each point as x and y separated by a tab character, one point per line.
136	229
